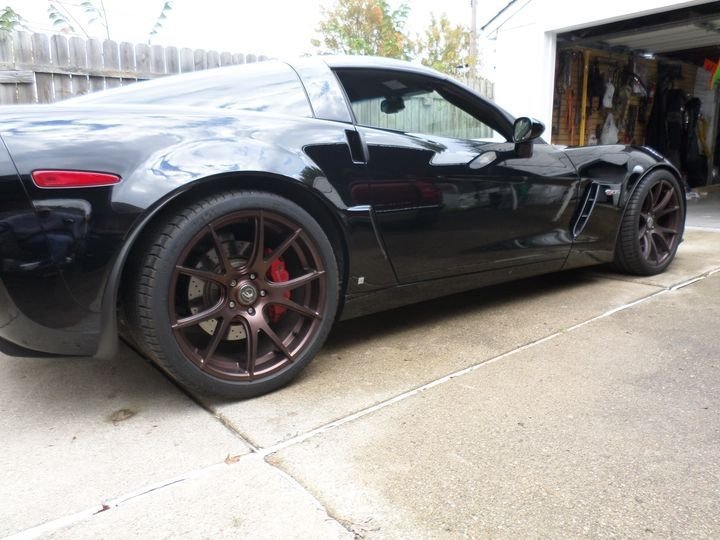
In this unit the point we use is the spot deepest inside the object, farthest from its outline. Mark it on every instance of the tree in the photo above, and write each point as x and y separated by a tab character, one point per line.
96	14
64	20
10	20
160	21
65	17
61	18
366	27
446	47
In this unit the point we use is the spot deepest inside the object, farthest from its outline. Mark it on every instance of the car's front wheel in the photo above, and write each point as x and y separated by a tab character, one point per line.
234	294
652	226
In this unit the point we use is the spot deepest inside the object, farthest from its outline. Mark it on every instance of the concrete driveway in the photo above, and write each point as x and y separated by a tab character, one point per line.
583	404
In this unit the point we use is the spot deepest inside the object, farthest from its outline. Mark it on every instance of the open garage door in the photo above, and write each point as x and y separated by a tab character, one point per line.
644	80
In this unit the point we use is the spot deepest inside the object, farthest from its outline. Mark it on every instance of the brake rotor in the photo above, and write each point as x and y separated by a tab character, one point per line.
203	293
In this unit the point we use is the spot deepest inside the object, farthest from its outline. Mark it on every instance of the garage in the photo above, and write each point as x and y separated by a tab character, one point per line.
645	80
625	69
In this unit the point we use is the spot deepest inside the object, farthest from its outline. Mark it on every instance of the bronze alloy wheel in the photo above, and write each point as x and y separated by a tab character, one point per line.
225	302
659	228
652	227
235	293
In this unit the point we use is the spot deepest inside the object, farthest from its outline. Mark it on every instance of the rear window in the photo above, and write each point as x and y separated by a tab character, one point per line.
261	87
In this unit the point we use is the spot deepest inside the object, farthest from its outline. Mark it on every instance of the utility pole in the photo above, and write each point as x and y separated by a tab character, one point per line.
473	42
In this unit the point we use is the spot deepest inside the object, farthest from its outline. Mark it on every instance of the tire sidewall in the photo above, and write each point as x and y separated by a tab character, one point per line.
631	223
174	358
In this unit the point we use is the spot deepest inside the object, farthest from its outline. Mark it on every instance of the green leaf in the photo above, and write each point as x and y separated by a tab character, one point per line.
364	27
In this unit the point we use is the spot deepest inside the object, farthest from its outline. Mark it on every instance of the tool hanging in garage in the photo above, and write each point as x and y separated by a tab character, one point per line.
694	150
631	123
596	86
563	87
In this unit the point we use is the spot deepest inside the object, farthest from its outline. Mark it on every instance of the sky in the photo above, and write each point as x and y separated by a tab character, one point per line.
279	28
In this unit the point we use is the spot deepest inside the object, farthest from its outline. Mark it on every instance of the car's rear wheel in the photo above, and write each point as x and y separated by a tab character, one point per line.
652	226
235	294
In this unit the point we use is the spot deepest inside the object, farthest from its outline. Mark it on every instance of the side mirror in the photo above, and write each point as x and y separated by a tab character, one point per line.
392	105
525	131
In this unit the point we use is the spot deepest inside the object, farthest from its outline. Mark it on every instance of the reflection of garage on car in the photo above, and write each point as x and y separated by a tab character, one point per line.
624	72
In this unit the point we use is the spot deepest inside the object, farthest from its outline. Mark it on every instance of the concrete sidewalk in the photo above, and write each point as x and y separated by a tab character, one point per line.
582	404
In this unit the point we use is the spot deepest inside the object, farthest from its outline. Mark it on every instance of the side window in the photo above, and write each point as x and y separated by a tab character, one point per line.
411	104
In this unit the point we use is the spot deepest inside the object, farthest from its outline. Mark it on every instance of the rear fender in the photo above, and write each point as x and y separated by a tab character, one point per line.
107	346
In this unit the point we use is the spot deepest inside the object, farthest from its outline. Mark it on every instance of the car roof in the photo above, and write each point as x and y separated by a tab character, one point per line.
376	62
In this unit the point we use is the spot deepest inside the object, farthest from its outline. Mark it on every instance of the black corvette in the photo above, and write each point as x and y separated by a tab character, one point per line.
225	219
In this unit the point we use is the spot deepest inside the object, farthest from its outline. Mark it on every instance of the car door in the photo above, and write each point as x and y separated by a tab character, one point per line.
450	194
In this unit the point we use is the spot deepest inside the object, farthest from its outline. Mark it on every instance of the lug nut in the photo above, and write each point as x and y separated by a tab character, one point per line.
252	276
232	305
233	283
263	293
251	311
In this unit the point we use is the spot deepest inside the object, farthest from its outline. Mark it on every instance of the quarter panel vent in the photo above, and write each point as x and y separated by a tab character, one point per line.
586	209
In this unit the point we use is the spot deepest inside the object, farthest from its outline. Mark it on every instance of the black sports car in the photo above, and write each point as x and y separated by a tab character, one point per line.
227	218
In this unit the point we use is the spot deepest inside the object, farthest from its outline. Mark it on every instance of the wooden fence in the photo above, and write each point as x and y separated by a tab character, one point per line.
429	113
482	86
36	68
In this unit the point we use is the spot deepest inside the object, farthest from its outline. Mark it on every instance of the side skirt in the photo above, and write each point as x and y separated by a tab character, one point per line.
358	305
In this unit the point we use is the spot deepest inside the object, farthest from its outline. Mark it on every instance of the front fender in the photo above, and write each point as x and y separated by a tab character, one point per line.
616	170
645	161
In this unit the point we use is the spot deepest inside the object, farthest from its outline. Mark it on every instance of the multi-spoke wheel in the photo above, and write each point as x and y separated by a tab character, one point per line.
652	227
236	293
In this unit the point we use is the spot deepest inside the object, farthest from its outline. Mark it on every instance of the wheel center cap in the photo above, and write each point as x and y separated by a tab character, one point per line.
247	294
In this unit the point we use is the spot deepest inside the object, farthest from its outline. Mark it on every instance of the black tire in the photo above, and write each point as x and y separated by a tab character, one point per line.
231	266
652	227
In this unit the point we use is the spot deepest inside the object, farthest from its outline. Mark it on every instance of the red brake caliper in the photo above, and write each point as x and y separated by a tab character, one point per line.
278	274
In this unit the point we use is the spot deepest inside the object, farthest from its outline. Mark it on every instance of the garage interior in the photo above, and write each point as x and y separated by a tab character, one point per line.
647	81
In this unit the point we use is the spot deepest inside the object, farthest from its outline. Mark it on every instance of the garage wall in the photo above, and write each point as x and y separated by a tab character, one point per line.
648	69
525	45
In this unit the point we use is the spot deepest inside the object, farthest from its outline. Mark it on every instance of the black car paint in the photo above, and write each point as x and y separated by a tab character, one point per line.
64	250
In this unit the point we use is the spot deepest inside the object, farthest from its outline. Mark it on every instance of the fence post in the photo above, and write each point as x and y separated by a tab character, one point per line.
95	63
200	62
111	60
172	63
213	59
127	62
187	60
43	81
22	42
157	60
78	59
142	58
61	59
8	91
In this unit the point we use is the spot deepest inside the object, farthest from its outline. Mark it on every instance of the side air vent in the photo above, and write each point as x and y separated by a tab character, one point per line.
358	151
586	209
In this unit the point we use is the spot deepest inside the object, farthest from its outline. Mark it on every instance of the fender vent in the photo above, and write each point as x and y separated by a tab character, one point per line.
586	209
357	149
